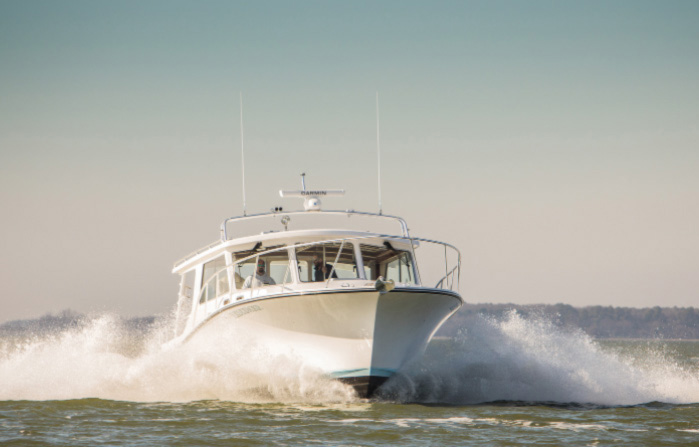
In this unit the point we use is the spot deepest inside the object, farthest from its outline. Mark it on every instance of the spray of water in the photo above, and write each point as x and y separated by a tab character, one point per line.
518	359
514	359
102	359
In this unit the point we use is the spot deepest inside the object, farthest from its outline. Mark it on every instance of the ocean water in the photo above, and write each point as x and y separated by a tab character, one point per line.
513	381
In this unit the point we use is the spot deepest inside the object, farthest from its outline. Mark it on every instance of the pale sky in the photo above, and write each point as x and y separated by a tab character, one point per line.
555	143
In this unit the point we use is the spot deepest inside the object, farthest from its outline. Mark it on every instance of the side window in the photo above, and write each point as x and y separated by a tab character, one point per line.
185	301
318	262
187	285
214	279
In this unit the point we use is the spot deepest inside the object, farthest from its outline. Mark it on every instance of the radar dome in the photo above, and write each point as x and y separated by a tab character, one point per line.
312	204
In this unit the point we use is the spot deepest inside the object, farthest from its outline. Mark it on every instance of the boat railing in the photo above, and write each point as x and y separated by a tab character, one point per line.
448	279
225	236
217	289
224	225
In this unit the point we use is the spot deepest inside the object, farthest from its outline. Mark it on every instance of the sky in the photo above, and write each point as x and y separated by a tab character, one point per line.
556	144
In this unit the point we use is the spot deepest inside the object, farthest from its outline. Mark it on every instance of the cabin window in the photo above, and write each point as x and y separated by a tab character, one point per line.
214	279
388	262
268	269
311	260
184	304
212	267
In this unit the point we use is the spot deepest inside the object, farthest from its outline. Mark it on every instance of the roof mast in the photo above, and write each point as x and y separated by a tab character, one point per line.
242	153
378	150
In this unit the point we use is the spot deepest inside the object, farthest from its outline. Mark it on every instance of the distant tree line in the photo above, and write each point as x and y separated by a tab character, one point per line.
597	321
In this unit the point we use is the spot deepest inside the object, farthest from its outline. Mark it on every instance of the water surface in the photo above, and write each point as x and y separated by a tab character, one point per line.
514	381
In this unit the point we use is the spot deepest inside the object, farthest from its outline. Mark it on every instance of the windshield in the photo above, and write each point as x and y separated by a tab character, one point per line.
324	261
388	262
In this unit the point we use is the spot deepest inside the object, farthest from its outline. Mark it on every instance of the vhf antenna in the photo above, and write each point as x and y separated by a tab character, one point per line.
378	150
242	152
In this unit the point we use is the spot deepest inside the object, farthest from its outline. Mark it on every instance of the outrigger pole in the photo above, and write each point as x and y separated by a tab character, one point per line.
378	150
242	153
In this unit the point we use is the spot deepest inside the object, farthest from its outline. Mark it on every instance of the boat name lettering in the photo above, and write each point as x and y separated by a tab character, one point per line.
246	310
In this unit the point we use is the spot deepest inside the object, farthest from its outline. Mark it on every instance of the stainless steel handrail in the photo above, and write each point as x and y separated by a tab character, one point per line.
348	213
224	232
444	278
373	236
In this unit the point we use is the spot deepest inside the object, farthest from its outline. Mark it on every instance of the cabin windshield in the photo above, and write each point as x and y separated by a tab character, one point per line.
269	269
388	262
316	262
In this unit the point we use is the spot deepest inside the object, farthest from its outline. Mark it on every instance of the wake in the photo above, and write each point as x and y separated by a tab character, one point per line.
533	360
512	359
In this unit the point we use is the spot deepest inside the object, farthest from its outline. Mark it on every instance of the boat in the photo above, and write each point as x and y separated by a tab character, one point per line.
352	303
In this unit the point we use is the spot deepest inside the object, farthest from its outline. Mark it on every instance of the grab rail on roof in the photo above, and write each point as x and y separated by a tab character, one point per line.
225	237
404	226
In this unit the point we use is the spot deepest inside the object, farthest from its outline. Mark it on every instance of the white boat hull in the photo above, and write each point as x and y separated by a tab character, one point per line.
361	337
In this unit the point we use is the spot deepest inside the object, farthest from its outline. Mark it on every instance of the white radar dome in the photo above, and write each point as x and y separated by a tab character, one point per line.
312	204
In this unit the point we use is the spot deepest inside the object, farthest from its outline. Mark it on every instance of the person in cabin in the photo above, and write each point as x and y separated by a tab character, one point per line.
322	271
261	277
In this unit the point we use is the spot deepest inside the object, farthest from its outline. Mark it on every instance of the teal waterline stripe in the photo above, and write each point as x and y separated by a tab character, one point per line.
381	372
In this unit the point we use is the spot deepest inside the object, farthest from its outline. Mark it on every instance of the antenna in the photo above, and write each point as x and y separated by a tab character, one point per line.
311	197
378	150
242	152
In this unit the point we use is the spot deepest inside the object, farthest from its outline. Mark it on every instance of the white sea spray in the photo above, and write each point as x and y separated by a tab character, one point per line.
531	359
509	359
101	359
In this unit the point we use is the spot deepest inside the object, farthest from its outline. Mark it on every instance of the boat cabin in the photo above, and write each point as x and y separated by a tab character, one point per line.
278	263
